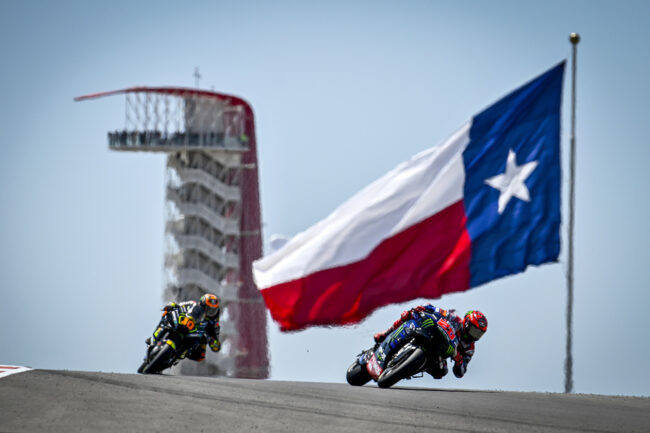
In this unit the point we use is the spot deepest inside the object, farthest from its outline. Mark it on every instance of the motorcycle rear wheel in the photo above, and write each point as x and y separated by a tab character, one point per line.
407	367
160	361
357	374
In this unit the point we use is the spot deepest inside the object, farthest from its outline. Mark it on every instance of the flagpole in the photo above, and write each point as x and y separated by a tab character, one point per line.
568	363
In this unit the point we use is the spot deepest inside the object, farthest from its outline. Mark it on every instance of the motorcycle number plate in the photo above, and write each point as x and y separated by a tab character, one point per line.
188	322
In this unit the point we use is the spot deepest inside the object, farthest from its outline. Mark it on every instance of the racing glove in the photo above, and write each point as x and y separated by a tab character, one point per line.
419	308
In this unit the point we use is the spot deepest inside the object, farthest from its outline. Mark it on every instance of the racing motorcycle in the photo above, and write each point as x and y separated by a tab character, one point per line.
178	335
410	349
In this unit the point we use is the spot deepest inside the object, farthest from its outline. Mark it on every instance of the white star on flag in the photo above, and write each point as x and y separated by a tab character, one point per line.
511	182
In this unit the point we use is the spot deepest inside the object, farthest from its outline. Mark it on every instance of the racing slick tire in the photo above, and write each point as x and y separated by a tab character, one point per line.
357	374
406	366
160	361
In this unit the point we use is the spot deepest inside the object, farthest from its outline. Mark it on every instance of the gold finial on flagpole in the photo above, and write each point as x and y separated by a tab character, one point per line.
574	38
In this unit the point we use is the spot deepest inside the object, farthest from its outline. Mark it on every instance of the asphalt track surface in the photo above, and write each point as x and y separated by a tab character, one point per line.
70	401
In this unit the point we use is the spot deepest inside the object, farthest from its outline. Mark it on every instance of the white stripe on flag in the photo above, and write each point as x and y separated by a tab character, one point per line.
413	191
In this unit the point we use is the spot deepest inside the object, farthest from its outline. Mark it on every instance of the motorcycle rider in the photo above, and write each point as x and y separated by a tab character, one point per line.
470	328
205	314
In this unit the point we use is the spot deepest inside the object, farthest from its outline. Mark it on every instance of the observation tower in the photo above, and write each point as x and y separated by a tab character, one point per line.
213	224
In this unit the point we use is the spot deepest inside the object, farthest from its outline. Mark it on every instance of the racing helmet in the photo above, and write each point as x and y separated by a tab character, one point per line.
211	304
474	325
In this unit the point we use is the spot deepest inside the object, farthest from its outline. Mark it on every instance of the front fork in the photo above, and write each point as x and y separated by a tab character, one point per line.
159	336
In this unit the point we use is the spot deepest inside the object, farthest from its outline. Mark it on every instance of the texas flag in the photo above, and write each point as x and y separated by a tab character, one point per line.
482	205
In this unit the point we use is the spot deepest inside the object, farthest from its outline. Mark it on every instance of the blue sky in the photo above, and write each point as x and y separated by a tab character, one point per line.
342	92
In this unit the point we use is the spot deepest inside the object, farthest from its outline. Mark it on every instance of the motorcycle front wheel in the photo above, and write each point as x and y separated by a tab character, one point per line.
160	360
406	366
357	374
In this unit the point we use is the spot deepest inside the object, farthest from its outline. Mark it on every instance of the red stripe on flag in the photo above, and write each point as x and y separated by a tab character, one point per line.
424	261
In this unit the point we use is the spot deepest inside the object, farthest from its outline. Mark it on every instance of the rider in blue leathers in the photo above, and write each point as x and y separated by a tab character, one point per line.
470	328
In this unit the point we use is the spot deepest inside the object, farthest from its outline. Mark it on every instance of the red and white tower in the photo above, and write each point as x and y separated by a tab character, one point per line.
213	228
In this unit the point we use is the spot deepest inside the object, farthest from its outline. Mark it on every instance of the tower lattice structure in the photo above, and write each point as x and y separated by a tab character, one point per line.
213	221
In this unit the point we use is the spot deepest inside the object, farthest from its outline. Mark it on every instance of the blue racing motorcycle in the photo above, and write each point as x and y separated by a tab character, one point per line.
412	348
